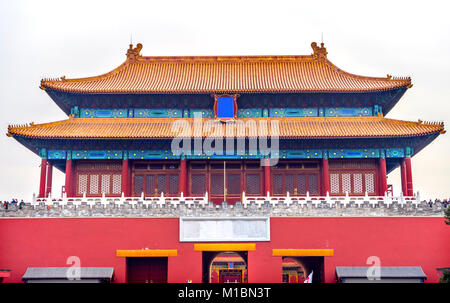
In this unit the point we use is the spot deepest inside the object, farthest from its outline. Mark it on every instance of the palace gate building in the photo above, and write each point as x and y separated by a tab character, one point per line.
278	163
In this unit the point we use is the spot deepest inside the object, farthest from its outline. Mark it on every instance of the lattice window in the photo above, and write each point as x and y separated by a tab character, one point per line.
116	184
357	184
217	184
115	166
138	185
351	164
198	184
173	184
253	184
233	184
370	183
93	184
367	164
99	165
301	184
335	164
84	166
334	183
277	184
313	187
346	183
162	184
106	183
82	184
290	186
150	185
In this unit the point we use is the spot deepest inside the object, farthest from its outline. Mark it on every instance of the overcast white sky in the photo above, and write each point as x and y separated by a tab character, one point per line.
85	38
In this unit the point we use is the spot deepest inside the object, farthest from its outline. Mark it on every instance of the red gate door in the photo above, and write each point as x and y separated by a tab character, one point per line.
147	270
230	276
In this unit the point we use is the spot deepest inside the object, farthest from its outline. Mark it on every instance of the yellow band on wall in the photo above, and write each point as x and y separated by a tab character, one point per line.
225	247
303	252
147	253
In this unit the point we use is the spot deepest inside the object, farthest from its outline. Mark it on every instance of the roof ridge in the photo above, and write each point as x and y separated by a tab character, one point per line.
297	80
113	72
388	77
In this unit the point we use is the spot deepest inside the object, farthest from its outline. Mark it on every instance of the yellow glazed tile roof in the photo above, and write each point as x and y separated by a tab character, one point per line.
227	74
160	128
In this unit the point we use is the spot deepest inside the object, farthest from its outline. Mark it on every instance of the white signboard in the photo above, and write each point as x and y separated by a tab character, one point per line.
224	229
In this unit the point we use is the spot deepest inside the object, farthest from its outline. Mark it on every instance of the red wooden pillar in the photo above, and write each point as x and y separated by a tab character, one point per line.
68	185
325	177
267	177
183	178
125	178
403	176
48	188
43	178
383	176
409	181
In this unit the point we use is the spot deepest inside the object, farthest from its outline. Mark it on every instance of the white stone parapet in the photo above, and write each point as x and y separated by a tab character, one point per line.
259	201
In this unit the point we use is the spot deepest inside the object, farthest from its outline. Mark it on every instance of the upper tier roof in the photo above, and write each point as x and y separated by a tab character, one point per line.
163	128
228	74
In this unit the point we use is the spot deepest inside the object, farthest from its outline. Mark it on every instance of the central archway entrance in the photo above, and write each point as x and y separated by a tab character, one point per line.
293	271
225	267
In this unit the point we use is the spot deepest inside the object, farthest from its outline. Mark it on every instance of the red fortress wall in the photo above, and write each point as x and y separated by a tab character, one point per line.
397	241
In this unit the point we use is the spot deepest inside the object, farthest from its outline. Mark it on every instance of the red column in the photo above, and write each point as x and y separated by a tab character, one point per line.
125	178
409	181
403	176
183	178
43	178
383	176
267	177
48	188
68	185
325	177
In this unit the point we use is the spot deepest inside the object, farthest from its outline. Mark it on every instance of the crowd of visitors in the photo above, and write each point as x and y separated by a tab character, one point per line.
444	202
14	202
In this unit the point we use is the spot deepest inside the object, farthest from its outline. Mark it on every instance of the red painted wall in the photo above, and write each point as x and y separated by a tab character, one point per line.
47	242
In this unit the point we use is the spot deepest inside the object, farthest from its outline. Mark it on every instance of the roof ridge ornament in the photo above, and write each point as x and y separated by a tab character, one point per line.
319	52
134	53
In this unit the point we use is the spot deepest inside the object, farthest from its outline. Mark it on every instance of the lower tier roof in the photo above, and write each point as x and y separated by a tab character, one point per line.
166	128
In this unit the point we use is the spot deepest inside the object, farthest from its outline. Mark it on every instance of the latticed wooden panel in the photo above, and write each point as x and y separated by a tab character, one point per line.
217	184
115	166
290	186
173	184
334	183
162	184
82	184
335	164
150	185
370	183
93	184
116	184
277	184
233	184
346	183
351	164
368	164
357	184
198	184
105	184
100	166
313	187
253	184
138	185
84	166
301	184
